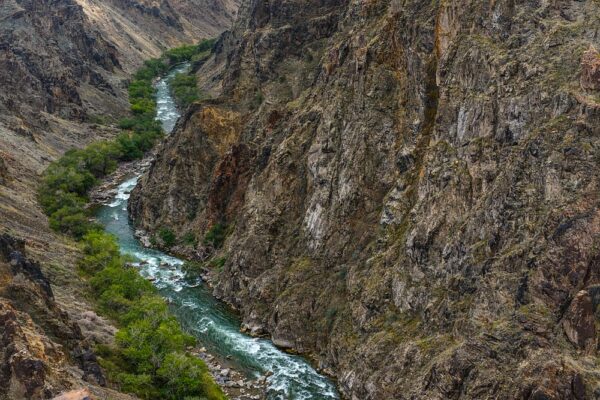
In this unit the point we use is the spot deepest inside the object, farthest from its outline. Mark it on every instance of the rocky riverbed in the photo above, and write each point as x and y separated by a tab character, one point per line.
235	384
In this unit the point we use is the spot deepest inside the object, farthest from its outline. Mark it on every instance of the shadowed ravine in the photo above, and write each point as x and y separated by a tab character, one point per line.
201	314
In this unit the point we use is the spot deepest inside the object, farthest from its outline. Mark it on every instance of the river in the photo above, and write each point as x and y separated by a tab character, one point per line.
202	315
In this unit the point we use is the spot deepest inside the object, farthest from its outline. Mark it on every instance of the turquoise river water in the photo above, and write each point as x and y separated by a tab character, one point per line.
203	316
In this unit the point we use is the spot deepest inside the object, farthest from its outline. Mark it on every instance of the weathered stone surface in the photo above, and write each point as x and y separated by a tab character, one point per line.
4	174
38	338
421	207
82	394
590	70
579	322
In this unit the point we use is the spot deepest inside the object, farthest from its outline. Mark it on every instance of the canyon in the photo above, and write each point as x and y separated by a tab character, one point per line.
405	192
64	71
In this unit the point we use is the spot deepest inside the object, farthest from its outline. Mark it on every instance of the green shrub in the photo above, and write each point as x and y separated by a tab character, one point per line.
100	158
140	89
100	252
218	263
181	54
148	358
184	88
190	239
168	237
72	221
52	202
143	106
152	69
185	375
127	123
129	148
216	236
206	45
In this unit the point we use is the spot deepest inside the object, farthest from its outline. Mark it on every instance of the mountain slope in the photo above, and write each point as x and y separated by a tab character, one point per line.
142	29
410	189
64	67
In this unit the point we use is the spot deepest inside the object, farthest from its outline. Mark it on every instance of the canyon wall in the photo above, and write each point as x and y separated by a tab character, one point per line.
410	191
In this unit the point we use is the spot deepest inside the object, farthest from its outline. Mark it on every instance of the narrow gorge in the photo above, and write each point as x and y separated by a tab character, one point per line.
215	326
299	199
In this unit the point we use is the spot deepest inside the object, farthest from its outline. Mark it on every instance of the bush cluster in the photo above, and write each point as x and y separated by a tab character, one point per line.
216	236
168	237
184	88
149	358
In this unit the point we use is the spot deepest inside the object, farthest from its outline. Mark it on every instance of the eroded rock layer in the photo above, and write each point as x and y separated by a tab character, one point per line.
412	189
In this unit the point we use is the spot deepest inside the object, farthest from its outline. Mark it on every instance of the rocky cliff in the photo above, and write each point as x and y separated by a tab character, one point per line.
43	351
411	188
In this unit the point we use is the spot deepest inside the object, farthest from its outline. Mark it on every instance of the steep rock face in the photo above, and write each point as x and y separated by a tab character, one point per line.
415	203
43	351
49	51
590	70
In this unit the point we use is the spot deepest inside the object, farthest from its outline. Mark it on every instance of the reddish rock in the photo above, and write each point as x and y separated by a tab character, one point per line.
230	179
590	69
578	322
81	394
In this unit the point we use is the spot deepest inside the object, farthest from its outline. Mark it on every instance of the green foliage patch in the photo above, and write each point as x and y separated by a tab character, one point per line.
216	236
184	88
149	358
190	239
167	236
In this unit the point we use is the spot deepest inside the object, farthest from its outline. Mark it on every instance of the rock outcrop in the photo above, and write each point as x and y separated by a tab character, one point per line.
42	352
410	187
590	70
49	52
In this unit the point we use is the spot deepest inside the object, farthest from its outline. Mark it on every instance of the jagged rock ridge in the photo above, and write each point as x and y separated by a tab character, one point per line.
43	351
